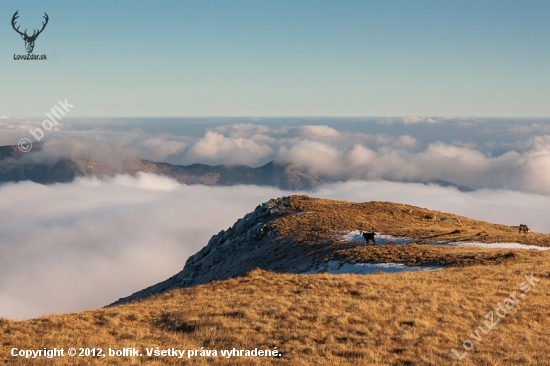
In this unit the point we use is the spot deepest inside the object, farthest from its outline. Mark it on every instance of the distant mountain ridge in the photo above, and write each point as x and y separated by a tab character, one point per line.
16	166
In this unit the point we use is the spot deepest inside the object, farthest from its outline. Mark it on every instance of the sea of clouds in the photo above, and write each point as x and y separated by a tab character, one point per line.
80	245
477	153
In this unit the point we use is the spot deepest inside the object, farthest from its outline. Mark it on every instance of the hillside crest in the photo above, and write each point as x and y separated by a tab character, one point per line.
300	234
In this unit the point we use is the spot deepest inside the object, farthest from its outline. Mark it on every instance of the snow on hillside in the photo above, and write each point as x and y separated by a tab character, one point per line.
369	268
357	236
381	239
478	244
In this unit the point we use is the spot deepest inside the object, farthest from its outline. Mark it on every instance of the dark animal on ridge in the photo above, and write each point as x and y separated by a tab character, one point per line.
523	228
369	236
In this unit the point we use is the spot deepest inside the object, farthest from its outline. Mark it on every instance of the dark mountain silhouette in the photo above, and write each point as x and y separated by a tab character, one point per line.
13	168
16	166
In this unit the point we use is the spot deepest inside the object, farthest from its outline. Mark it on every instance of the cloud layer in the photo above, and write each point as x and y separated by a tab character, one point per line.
85	244
478	153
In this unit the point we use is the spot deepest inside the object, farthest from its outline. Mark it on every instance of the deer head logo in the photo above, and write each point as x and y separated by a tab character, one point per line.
29	40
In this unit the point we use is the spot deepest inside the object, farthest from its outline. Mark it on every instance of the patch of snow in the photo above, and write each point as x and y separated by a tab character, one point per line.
389	239
357	236
352	236
369	268
490	246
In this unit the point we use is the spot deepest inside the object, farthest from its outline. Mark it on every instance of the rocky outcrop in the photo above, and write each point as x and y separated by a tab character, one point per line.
252	242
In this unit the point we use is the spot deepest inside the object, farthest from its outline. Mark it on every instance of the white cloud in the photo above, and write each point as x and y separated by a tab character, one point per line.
164	145
318	157
337	152
413	120
215	146
68	247
316	131
248	130
406	142
530	129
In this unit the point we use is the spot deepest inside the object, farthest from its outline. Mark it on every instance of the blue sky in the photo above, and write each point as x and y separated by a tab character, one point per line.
279	58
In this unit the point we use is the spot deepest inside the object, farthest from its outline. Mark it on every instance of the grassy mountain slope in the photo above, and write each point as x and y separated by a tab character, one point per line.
298	234
409	318
383	319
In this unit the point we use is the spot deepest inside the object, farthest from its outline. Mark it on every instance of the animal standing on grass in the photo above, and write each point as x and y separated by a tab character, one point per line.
523	228
369	236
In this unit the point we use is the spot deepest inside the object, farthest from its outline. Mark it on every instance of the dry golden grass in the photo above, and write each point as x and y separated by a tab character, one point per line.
322	217
420	255
413	318
313	223
382	319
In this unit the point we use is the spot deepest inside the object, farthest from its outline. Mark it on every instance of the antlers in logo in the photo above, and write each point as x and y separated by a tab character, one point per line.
29	40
